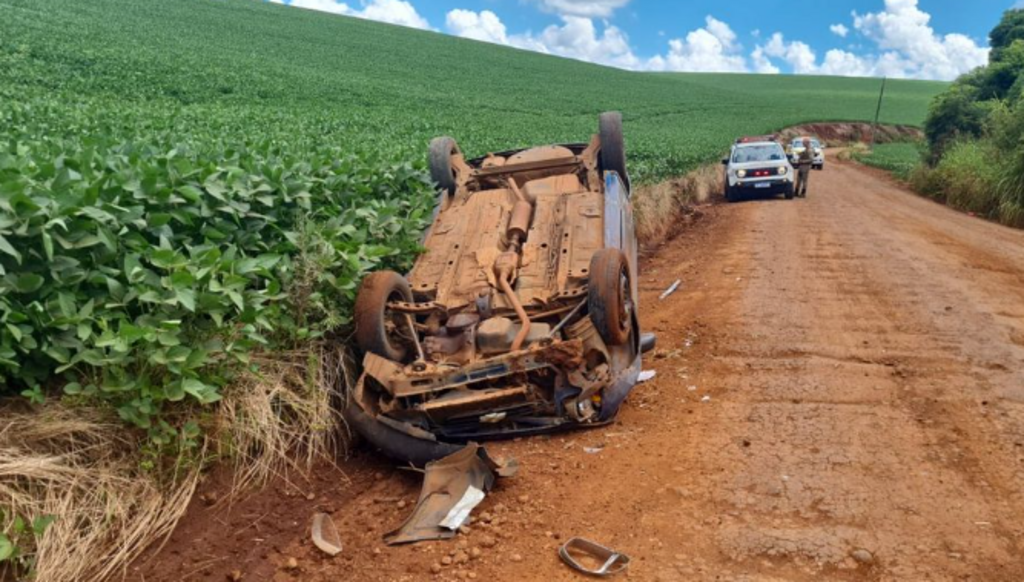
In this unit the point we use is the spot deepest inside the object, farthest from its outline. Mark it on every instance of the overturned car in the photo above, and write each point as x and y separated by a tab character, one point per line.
520	317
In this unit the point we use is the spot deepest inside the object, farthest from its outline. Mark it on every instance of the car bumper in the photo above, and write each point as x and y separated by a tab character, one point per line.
763	186
400	436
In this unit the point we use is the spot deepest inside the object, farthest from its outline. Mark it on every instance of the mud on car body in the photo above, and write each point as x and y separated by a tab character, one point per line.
757	165
520	317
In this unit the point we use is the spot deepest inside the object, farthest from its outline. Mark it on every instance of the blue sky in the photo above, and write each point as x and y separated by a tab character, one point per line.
928	39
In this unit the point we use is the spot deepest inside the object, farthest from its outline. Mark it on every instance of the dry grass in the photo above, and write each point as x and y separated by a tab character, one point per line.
82	466
659	207
285	416
854	150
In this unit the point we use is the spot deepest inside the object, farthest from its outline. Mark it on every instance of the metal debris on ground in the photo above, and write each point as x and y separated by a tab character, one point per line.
646	375
452	487
671	289
592	558
325	535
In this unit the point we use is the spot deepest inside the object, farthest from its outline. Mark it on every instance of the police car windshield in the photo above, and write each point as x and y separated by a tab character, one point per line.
758	153
799	143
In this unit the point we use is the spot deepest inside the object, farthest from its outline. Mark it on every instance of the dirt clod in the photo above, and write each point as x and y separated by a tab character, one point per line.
863	556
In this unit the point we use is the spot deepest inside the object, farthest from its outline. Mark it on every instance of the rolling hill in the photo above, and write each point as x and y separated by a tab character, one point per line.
233	71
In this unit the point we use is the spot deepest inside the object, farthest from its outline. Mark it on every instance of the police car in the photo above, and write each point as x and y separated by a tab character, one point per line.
796	147
758	165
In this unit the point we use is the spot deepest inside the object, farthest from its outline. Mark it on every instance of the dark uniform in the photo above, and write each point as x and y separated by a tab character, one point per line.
804	164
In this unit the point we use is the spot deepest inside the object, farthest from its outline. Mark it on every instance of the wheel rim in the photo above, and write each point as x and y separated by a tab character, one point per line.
395	329
625	303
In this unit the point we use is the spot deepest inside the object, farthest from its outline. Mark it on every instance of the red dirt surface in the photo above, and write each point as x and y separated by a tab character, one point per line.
839	395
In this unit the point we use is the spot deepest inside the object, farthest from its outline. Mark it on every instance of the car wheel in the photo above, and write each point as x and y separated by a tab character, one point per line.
440	158
730	194
613	148
379	330
789	193
609	297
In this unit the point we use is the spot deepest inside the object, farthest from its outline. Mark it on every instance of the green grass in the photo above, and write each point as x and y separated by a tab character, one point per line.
242	68
899	158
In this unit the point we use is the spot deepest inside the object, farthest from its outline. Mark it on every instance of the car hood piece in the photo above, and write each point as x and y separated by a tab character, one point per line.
452	487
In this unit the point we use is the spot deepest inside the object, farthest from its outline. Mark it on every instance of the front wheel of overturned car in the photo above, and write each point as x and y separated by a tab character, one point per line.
613	148
379	330
441	171
609	296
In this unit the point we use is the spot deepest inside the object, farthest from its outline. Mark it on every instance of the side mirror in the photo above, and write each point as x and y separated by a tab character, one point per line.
725	161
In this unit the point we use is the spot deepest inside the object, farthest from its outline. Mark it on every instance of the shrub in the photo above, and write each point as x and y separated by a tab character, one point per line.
1011	191
968	177
955	114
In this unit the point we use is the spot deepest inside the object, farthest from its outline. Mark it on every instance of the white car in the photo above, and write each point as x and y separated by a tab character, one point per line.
757	167
796	147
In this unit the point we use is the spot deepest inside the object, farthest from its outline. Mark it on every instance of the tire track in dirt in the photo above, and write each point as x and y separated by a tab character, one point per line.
839	395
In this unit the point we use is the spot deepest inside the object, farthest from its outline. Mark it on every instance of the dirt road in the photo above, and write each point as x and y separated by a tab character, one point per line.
839	395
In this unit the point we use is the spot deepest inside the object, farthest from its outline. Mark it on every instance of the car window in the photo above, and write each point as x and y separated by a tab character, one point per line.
758	153
799	143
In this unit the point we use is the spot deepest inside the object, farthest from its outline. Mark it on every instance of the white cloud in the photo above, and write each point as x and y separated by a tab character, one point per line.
320	5
578	38
762	64
589	8
392	11
797	54
709	49
484	26
844	64
913	48
908	48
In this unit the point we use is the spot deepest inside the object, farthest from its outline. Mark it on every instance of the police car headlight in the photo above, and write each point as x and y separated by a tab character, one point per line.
782	170
741	173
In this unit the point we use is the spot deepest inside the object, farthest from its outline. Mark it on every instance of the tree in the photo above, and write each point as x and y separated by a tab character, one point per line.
998	78
1009	29
955	113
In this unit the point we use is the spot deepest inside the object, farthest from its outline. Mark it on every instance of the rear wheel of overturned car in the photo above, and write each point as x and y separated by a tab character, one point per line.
609	296
613	148
441	171
379	329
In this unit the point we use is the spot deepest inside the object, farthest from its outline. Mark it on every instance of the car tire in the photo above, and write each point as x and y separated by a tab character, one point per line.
790	193
372	316
730	194
440	159
613	147
609	296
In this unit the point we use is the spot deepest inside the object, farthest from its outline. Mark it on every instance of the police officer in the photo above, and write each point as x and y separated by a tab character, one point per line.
805	162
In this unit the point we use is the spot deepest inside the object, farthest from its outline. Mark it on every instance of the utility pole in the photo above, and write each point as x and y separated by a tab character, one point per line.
878	111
